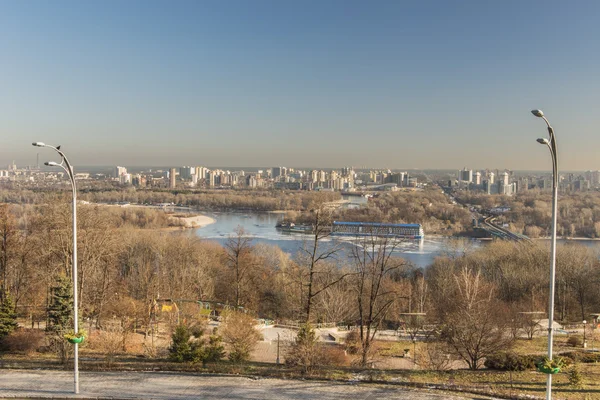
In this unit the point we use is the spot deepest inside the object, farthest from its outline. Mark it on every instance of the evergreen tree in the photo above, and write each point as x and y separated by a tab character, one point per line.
60	317
305	352
8	316
575	378
181	349
214	351
189	345
60	310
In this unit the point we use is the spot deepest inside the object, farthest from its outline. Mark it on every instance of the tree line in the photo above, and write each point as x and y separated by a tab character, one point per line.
467	299
531	212
256	200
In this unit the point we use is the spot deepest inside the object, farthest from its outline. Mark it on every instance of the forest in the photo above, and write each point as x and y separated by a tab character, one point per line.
126	268
531	212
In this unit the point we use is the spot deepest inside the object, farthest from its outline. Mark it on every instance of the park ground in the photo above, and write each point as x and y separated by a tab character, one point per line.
179	386
392	370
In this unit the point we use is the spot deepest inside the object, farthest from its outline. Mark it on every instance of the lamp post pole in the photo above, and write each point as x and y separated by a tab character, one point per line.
584	341
551	143
277	348
64	164
415	351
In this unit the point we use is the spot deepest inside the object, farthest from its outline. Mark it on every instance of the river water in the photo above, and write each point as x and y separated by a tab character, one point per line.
261	227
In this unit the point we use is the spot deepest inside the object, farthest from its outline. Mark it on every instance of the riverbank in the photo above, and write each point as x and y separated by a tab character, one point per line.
177	221
196	221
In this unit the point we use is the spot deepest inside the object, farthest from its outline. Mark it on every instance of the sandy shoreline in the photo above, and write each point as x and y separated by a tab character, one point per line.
197	221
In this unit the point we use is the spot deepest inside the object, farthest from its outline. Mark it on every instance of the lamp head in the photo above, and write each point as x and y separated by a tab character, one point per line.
543	141
537	113
38	144
52	164
584	322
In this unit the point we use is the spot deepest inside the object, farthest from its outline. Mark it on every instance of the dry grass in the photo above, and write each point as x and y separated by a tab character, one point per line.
496	383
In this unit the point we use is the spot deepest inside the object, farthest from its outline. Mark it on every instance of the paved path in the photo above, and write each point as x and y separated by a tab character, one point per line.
176	386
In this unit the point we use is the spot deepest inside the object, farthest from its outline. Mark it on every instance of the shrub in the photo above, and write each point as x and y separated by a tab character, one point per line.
433	356
239	333
575	378
332	355
184	348
582	356
214	350
574	341
352	342
508	361
109	342
24	340
304	351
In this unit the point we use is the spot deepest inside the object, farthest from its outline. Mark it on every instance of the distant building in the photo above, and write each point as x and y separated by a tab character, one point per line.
398	178
465	175
276	172
504	178
186	172
322	176
172	178
138	180
125	178
314	176
411	231
120	171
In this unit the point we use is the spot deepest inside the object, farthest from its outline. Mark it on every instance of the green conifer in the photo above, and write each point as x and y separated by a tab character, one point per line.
8	316
575	378
60	310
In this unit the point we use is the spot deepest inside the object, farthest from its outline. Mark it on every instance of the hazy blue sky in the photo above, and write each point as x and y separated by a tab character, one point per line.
397	84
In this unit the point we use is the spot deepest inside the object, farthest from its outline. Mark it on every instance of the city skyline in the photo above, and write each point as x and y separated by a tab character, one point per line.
431	85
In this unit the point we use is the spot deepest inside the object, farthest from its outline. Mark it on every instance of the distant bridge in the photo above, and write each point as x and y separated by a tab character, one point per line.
499	232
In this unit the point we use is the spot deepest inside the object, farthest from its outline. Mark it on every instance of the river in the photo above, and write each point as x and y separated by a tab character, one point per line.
261	227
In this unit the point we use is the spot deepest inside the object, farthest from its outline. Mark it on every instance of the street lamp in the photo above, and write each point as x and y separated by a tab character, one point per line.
551	143
584	341
277	348
415	351
64	164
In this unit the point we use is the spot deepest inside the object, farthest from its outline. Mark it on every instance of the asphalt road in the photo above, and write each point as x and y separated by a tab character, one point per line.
158	385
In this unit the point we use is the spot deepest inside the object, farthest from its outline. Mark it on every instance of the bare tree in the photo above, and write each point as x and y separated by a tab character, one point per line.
473	323
239	333
8	235
375	291
336	303
319	274
239	258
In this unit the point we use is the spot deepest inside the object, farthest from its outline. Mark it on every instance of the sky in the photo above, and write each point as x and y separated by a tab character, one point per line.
380	84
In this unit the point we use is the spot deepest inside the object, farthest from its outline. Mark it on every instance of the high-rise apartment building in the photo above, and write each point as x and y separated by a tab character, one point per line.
504	178
275	172
172	178
120	171
314	175
322	176
212	176
186	172
465	175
